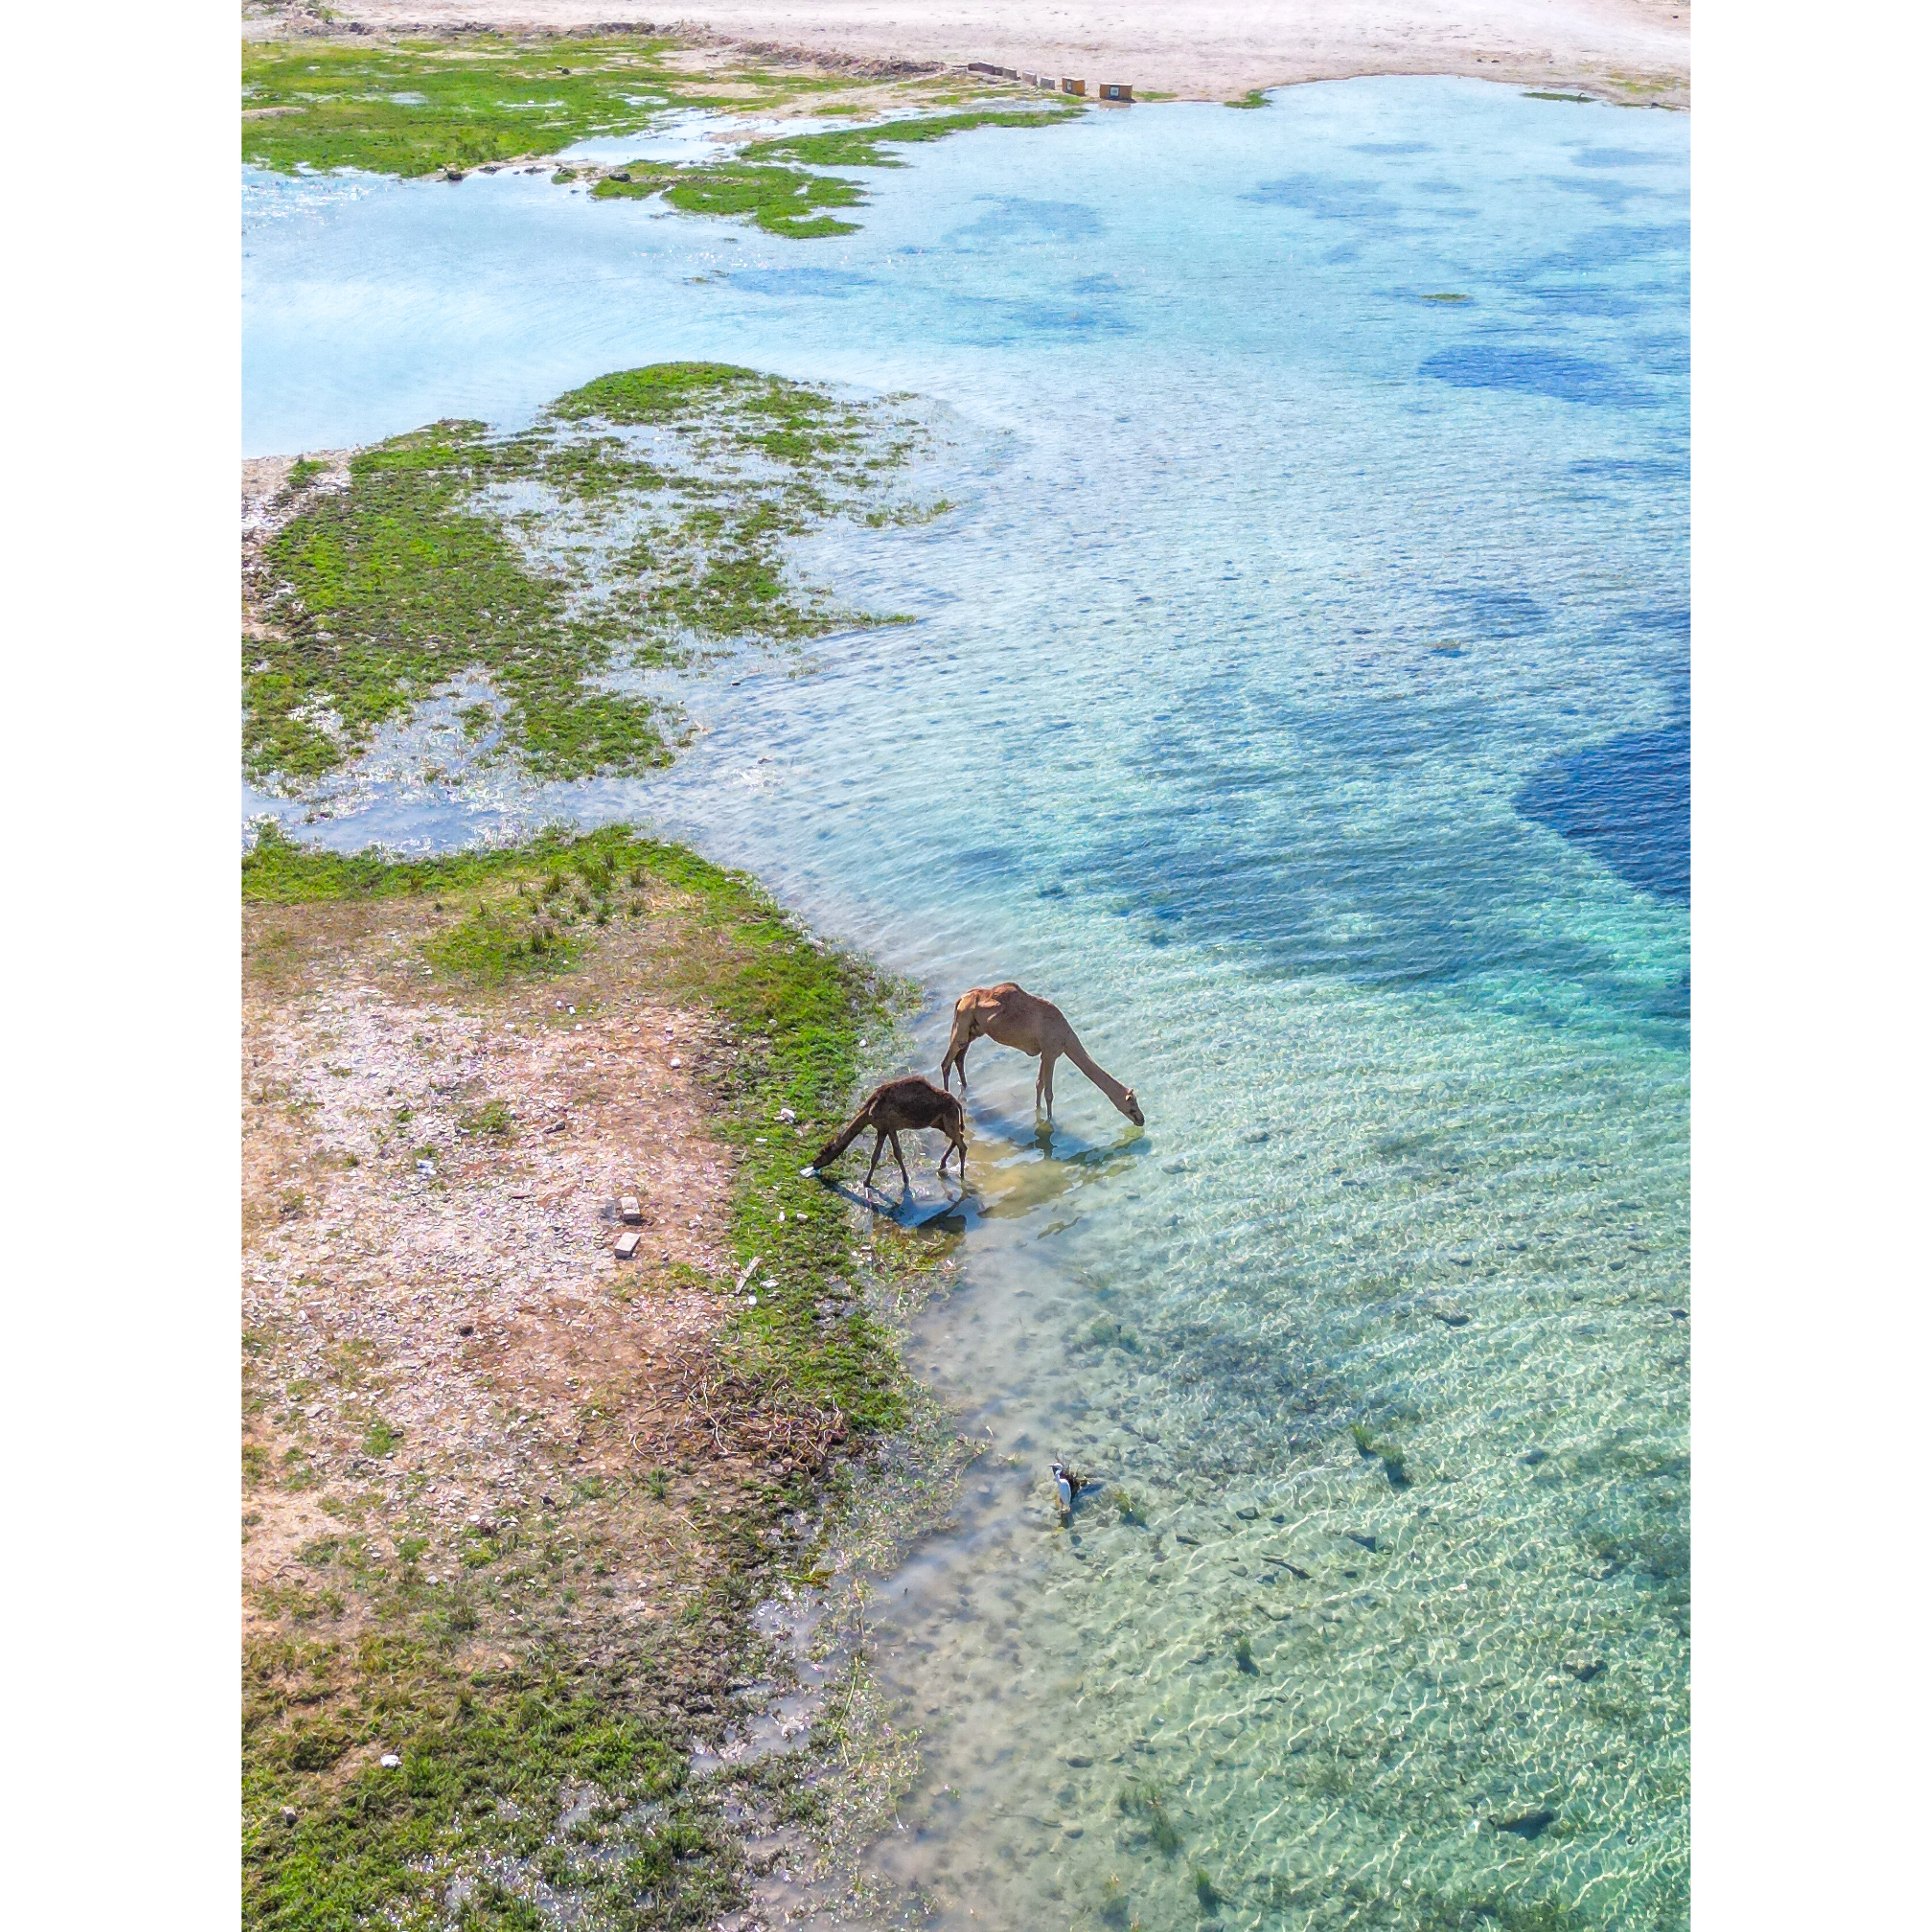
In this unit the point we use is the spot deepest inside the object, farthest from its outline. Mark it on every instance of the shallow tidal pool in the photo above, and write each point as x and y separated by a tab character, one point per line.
1298	696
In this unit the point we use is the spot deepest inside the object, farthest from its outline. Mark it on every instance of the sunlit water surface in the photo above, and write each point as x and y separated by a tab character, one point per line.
1298	697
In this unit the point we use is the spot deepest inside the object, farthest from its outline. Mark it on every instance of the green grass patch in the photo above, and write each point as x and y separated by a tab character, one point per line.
497	943
418	107
865	147
492	1118
485	1769
781	201
379	594
1254	98
544	563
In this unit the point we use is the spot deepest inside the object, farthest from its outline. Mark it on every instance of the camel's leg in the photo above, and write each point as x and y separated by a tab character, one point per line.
878	1148
1046	1061
955	1052
900	1159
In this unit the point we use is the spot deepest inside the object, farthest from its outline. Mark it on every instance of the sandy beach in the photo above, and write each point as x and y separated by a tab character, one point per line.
1633	49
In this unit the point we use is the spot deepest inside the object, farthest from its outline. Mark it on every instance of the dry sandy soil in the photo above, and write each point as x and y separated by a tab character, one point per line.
473	1304
1628	49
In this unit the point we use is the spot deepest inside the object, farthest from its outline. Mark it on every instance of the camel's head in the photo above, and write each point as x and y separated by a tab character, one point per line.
1130	1105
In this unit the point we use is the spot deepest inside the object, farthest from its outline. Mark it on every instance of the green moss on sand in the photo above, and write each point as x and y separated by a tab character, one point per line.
781	201
644	516
385	592
865	147
417	106
486	1766
422	107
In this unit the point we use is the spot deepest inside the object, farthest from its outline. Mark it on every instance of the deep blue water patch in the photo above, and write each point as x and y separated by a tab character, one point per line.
994	323
1327	198
1497	612
1612	195
1626	802
1012	217
1536	372
1618	247
1587	300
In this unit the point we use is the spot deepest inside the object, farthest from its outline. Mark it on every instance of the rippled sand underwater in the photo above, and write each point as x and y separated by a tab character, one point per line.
1298	697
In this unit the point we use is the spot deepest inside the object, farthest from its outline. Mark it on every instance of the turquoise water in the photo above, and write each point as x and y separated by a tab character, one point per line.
1299	698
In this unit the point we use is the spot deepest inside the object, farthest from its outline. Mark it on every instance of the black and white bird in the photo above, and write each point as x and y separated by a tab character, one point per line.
1063	1483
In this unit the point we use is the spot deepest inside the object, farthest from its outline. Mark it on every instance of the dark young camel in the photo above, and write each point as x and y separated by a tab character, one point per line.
911	1103
1013	1017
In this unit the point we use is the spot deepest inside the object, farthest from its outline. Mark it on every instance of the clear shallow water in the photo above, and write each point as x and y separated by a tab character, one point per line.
1298	697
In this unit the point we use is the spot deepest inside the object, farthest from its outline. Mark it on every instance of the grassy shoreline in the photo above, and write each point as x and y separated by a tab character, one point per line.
542	1667
423	106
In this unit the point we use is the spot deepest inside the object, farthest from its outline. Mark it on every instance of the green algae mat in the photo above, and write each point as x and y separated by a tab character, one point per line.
424	107
641	522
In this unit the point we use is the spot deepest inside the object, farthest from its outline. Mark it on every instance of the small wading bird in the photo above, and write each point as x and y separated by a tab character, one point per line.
1012	1016
1067	1486
1063	1483
911	1103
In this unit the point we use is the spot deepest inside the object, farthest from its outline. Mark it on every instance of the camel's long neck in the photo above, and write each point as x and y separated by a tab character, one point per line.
833	1148
1098	1074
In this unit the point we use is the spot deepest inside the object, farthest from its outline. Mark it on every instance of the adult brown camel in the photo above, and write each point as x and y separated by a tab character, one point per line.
1014	1017
911	1102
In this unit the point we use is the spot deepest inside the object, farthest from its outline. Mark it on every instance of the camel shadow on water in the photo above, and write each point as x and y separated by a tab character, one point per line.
1019	1168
